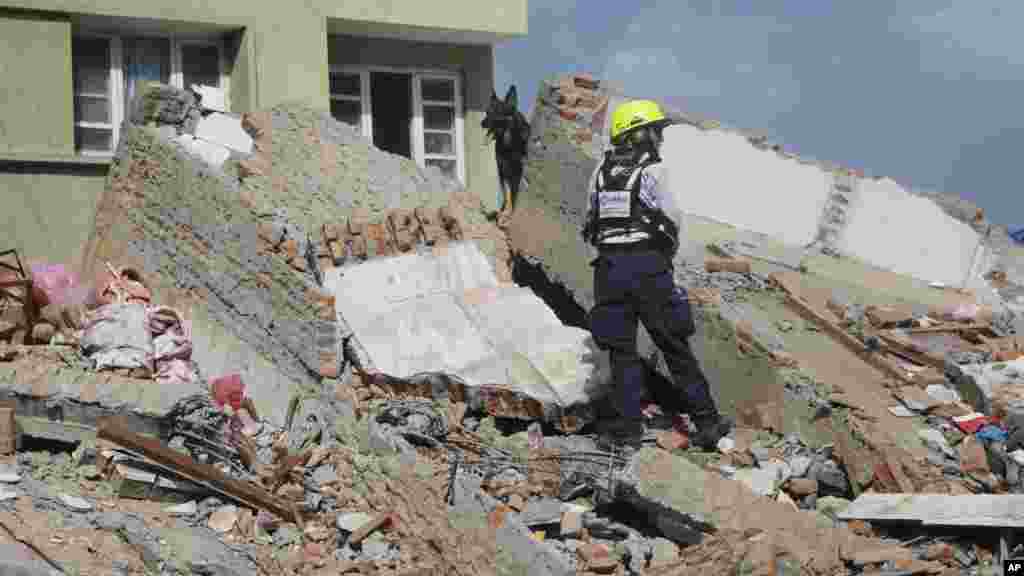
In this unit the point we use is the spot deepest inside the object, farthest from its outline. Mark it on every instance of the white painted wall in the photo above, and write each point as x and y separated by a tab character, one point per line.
896	230
722	176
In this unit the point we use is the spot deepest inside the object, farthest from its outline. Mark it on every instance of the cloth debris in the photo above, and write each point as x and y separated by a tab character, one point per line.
118	336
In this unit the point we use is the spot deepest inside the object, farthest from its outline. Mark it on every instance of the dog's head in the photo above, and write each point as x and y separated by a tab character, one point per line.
500	112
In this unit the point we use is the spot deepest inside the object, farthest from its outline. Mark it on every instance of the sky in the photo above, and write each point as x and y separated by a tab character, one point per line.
927	92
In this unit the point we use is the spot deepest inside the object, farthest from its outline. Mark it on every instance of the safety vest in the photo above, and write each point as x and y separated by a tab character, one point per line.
620	210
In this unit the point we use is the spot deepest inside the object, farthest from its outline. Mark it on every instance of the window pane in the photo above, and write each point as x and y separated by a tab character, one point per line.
447	166
145	59
96	110
93	139
438	143
91	60
345	84
438	90
347	111
438	118
200	65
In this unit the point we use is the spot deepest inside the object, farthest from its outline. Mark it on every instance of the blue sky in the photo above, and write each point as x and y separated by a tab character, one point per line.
929	93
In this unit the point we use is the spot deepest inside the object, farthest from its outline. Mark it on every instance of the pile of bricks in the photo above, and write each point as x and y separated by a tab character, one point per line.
579	100
399	232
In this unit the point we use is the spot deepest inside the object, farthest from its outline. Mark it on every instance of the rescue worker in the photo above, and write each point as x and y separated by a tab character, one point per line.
632	221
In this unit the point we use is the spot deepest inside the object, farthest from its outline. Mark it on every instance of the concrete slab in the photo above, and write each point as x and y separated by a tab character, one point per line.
445	311
224	130
988	510
707	160
212	98
213	154
60	401
680	486
940	249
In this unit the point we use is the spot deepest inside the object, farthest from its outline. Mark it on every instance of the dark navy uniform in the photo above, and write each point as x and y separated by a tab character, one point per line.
630	225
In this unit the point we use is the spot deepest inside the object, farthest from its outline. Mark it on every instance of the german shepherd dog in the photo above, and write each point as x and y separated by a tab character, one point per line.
511	132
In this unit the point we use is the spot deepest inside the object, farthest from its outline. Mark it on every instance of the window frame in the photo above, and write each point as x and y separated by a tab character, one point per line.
418	135
115	95
116	79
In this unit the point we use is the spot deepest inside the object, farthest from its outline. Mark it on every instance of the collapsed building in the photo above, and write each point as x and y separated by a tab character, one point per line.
369	308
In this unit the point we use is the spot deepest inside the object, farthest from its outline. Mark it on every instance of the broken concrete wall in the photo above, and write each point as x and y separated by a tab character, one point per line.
719	175
180	223
235	245
750	183
893	229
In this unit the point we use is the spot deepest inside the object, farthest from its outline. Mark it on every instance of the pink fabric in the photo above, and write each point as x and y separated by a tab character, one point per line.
228	390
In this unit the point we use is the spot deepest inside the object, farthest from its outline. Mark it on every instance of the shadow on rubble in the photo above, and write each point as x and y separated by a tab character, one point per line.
553	293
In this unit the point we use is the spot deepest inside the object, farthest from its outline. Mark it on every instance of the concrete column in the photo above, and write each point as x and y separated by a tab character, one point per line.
288	62
481	167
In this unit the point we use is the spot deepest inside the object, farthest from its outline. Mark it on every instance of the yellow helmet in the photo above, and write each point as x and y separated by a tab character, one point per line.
635	114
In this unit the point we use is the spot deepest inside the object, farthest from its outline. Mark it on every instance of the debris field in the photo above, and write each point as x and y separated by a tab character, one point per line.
285	351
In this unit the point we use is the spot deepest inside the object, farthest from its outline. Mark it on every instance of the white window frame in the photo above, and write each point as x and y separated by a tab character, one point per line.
115	93
116	81
365	102
417	126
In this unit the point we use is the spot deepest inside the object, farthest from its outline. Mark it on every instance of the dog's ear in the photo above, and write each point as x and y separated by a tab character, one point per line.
511	98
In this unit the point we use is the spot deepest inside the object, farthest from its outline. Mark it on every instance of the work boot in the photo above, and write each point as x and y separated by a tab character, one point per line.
622	435
711	428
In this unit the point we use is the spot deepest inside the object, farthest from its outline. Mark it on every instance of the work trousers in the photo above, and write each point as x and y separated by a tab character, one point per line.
632	285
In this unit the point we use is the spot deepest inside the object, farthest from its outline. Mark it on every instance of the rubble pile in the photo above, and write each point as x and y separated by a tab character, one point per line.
288	352
245	242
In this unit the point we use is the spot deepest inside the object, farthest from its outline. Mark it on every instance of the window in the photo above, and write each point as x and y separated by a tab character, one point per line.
107	70
347	100
96	122
438	109
436	125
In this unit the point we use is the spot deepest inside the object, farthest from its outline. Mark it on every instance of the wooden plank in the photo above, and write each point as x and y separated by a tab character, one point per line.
969	510
804	309
903	346
115	430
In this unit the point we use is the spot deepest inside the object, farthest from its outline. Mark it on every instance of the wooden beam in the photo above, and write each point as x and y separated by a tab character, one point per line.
115	430
801	307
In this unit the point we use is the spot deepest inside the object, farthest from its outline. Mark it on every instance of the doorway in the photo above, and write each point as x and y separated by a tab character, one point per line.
391	103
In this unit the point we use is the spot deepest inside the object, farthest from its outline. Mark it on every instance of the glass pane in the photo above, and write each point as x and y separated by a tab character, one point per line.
96	110
147	60
91	60
438	90
345	84
438	118
438	143
93	139
200	65
347	111
447	166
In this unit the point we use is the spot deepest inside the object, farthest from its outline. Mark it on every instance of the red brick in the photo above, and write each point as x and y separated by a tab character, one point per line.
585	81
291	248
